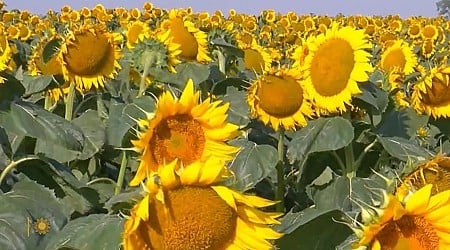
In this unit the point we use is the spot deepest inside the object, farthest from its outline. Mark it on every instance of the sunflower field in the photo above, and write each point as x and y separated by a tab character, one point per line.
152	128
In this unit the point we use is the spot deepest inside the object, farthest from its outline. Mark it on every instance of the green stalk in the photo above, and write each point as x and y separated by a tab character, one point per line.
349	154
14	164
123	166
47	102
279	194
69	102
363	153
148	59
221	61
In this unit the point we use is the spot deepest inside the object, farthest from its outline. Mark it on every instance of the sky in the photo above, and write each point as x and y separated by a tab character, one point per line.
404	8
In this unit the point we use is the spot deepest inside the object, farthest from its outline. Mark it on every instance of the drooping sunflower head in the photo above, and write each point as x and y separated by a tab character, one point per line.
428	48
184	130
419	222
157	51
431	95
188	209
399	57
279	99
193	42
435	171
336	62
89	55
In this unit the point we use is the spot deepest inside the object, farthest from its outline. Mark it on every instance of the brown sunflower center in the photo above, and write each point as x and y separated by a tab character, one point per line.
438	94
410	232
253	60
280	97
331	67
187	41
89	54
394	60
429	31
178	137
191	218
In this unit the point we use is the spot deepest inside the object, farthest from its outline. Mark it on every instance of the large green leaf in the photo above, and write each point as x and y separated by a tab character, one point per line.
20	208
401	123
312	229
96	232
252	164
238	113
322	134
29	119
404	149
36	84
375	97
184	71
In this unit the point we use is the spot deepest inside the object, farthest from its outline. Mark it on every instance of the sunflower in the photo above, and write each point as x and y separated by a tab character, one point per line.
136	32
336	61
421	222
255	57
429	32
435	171
183	130
189	209
428	48
398	57
193	42
431	95
89	55
40	65
279	99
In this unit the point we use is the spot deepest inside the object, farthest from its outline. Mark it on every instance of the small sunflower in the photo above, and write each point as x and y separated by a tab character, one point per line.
189	209
193	42
428	48
183	130
431	95
436	171
429	32
335	63
421	222
136	32
279	99
41	226
398	57
255	57
414	30
89	55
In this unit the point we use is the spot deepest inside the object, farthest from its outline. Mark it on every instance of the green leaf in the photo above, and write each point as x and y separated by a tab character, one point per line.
238	113
29	119
123	200
19	209
374	96
252	164
96	232
36	84
402	123
50	50
94	132
313	229
10	89
322	134
184	71
404	149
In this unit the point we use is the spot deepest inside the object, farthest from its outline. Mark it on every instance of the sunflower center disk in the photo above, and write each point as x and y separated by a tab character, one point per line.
394	60
332	66
184	38
438	94
89	54
280	97
192	218
410	232
178	137
253	60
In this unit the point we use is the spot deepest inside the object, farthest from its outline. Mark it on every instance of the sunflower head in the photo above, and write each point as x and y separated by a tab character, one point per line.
435	171
279	99
43	60
136	32
192	41
89	55
184	130
420	221
431	95
335	63
398	57
5	50
256	58
188	209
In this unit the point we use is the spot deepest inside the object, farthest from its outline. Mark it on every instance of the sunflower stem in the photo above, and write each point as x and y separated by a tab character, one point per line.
364	152
47	102
14	164
149	59
221	61
69	102
123	166
279	194
349	154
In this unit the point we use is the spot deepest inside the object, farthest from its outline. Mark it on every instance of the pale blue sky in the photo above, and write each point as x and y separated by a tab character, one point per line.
404	8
